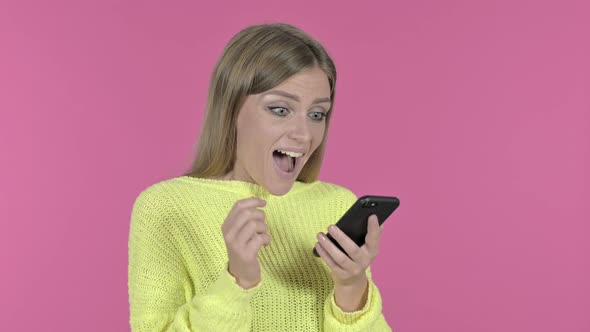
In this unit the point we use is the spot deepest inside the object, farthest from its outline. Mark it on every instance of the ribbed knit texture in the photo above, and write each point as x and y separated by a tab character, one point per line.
178	278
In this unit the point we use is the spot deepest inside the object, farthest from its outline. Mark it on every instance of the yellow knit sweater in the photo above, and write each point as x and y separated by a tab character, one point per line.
178	278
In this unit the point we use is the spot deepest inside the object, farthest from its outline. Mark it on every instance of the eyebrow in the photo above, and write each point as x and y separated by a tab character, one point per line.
294	97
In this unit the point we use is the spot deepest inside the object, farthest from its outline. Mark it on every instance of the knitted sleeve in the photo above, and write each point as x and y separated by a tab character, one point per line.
159	285
369	318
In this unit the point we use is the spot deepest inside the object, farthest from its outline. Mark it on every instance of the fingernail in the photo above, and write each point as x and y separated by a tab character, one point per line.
332	228
321	237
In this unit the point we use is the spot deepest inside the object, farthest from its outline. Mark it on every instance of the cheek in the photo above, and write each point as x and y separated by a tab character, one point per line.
318	135
256	137
246	136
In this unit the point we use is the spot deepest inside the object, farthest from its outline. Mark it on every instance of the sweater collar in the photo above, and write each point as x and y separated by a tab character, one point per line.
248	189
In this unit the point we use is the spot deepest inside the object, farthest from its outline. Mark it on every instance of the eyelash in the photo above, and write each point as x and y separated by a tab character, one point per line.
271	108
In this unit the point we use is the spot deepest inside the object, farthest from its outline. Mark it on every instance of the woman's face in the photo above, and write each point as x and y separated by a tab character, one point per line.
289	117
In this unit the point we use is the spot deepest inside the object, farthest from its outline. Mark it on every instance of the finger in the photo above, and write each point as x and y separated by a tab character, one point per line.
257	241
247	216
373	235
351	248
328	259
244	204
252	228
249	203
237	209
336	254
266	239
241	220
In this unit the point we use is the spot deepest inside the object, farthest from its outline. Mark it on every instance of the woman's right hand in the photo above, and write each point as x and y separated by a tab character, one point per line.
245	231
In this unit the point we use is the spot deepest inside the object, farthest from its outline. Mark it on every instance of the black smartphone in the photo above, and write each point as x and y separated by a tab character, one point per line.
355	221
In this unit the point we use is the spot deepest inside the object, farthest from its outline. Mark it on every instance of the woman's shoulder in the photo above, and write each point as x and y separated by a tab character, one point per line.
162	206
172	195
159	191
161	197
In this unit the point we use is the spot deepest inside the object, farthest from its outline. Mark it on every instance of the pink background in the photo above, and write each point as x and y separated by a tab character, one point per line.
476	114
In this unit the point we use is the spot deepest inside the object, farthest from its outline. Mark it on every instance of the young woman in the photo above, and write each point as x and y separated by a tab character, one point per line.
228	245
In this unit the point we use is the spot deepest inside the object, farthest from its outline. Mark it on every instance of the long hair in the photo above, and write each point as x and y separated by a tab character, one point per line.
256	59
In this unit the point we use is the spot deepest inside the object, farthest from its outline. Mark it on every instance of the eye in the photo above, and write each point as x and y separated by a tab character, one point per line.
318	116
280	111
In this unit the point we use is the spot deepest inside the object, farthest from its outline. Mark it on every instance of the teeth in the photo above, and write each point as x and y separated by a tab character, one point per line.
291	154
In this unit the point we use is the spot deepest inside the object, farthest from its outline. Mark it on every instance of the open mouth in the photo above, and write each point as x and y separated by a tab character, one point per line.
287	162
284	162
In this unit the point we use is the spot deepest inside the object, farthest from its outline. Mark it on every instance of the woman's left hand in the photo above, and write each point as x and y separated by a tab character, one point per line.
349	271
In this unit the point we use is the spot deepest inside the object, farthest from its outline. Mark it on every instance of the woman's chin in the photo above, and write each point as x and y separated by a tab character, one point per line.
280	182
279	187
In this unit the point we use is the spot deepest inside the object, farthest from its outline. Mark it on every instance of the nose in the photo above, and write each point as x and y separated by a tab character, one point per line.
299	130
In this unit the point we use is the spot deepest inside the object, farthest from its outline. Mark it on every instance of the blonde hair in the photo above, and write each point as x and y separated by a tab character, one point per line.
255	60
